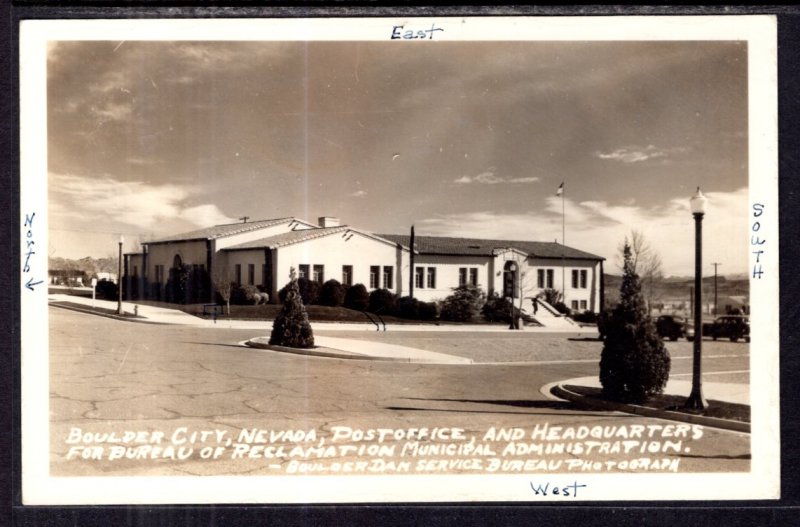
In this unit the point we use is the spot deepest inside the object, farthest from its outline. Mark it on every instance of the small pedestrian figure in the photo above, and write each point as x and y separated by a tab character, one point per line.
535	305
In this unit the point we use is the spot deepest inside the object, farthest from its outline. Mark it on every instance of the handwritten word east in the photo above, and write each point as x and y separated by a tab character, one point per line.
414	34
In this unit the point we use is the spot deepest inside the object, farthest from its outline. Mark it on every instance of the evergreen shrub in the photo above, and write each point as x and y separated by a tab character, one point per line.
106	290
356	297
497	309
463	305
634	364
291	327
248	295
382	301
331	294
414	309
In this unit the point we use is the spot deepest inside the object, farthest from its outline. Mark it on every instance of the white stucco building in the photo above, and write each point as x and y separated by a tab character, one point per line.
261	253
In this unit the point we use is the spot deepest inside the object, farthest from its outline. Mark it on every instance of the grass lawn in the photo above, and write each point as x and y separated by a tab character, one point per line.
315	314
674	403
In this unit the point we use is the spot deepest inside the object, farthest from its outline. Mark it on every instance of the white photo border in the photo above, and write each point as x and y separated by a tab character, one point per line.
763	480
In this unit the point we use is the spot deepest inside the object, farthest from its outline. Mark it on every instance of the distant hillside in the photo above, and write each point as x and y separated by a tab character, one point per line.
678	288
90	266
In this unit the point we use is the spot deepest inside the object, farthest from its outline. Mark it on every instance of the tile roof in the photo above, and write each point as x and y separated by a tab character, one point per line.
288	238
478	247
220	231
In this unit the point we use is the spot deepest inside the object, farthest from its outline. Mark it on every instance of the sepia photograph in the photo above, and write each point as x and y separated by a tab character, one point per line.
413	259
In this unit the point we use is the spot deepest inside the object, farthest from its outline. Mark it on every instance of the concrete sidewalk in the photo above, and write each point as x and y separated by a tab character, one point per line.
334	347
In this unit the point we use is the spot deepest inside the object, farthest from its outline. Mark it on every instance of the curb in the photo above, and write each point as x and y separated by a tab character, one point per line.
88	311
737	426
322	352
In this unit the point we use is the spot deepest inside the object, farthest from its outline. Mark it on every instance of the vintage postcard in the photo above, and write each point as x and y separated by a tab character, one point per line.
399	260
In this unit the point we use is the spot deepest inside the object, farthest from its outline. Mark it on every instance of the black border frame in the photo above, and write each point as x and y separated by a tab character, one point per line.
764	512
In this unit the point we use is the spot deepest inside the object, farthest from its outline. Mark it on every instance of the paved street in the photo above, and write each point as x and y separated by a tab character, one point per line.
110	376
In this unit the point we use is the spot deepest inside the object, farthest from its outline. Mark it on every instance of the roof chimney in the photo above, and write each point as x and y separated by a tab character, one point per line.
328	221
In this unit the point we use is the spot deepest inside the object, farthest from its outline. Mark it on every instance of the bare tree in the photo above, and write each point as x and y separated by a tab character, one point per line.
645	262
525	287
223	286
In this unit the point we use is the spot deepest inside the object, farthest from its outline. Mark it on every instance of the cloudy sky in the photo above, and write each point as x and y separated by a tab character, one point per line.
458	138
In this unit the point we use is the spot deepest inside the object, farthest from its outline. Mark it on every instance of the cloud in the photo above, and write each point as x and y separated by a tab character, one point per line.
134	203
111	111
141	161
599	227
636	154
204	215
490	178
359	194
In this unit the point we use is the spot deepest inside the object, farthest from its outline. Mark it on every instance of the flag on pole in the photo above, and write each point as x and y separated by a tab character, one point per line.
560	189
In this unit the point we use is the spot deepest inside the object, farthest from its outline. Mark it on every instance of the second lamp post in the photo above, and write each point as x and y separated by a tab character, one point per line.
696	401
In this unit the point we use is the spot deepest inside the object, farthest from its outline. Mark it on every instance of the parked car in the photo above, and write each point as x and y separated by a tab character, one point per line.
672	327
730	326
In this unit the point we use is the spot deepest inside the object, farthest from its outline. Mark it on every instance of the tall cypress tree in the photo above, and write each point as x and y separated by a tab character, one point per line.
634	364
291	327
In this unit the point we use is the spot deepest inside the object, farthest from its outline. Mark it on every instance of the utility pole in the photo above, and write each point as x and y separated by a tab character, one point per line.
244	219
412	272
715	264
119	276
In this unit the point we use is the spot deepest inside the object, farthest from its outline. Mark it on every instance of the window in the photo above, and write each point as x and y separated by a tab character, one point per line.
419	277
319	274
549	278
431	278
473	277
264	274
135	270
462	276
540	278
238	274
374	271
583	305
388	273
574	304
303	271
579	279
251	274
159	274
347	275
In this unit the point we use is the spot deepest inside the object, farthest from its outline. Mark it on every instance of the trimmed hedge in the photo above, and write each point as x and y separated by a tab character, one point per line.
356	297
413	309
331	294
382	301
309	291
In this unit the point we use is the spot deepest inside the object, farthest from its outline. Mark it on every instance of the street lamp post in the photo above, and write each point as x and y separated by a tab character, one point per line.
119	277
510	287
696	401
